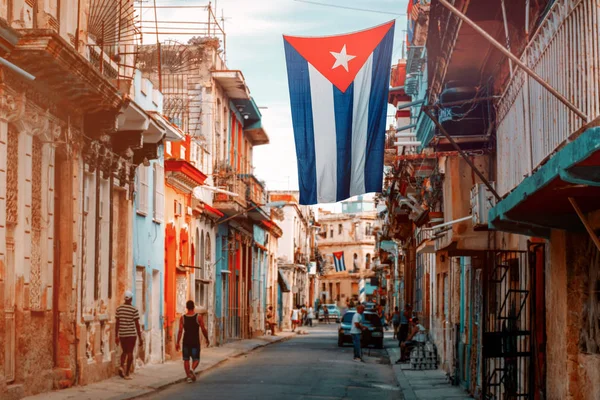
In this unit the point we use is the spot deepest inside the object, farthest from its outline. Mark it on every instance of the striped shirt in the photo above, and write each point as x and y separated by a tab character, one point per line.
127	315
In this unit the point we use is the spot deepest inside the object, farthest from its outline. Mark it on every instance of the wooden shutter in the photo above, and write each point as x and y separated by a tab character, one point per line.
143	189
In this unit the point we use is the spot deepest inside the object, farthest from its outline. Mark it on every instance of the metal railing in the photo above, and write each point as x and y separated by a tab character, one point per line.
237	186
422	235
532	123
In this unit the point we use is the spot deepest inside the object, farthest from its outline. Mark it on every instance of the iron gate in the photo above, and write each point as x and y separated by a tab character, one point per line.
508	337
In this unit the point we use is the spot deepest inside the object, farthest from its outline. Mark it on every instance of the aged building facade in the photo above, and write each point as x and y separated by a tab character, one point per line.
352	234
75	139
501	231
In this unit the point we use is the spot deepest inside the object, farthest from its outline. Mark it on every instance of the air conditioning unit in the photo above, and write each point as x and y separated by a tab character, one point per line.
482	200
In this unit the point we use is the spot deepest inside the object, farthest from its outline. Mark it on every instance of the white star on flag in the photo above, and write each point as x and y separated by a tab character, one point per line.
341	58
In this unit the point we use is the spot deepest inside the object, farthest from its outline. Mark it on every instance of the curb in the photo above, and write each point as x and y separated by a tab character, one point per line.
198	373
407	390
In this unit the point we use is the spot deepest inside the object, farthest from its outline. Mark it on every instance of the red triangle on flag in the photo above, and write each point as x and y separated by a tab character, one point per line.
339	58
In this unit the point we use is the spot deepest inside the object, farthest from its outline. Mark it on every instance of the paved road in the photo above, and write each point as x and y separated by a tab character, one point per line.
306	367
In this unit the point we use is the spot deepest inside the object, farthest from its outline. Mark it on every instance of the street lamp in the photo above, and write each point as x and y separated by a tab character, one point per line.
275	204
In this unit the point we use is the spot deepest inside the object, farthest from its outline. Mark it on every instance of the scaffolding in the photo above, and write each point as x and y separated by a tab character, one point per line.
178	34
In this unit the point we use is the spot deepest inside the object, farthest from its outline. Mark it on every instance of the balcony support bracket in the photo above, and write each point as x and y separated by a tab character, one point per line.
585	222
515	59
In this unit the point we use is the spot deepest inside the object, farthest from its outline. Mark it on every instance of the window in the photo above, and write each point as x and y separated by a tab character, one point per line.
331	232
140	293
142	190
200	275
183	153
158	203
178	209
338	291
368	230
168	148
339	229
325	231
368	261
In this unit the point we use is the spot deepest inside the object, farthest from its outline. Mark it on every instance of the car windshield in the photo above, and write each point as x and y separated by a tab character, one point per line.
348	318
331	307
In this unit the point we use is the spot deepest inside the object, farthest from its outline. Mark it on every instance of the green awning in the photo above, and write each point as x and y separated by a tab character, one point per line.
541	201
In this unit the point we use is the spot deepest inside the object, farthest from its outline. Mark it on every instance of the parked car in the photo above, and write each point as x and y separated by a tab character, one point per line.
369	306
334	312
372	335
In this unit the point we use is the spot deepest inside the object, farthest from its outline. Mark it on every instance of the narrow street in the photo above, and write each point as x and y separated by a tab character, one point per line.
306	367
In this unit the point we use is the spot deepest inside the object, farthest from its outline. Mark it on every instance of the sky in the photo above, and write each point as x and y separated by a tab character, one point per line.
254	31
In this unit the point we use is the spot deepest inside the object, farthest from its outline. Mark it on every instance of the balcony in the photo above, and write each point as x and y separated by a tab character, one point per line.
564	52
229	204
256	193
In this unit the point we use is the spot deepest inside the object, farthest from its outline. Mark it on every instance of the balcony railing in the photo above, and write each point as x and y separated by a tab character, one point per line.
237	186
532	123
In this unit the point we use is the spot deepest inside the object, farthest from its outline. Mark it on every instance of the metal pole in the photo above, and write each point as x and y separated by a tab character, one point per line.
515	59
461	152
585	222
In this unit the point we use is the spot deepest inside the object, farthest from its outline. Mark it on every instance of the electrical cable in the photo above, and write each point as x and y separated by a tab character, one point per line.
349	8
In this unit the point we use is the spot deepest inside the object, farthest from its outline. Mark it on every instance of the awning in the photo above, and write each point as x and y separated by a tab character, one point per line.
252	119
283	282
369	289
541	201
211	210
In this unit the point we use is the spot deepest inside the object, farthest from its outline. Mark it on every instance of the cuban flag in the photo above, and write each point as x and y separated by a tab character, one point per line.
338	261
338	93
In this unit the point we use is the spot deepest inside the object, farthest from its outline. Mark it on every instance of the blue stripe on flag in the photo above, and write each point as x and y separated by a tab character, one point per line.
382	59
302	120
343	104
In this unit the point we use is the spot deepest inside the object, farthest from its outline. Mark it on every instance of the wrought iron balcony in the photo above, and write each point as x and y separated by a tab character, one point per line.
564	52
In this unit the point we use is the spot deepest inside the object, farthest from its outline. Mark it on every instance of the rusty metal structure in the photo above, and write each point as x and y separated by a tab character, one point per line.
113	34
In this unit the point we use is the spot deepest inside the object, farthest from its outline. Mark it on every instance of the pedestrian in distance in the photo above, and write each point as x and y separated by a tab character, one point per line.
189	327
271	320
295	318
326	314
356	332
310	316
396	321
127	327
303	314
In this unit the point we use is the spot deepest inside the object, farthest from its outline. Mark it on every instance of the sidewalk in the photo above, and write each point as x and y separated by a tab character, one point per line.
154	377
423	384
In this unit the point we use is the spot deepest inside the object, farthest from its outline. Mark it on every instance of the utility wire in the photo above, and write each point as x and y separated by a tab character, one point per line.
349	8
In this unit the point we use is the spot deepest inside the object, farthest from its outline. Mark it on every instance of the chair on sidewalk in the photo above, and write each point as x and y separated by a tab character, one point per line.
423	355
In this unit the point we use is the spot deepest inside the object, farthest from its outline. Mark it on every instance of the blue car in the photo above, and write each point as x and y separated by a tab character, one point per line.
372	335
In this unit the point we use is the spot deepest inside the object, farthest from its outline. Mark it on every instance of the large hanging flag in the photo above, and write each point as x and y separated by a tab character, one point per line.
338	261
338	91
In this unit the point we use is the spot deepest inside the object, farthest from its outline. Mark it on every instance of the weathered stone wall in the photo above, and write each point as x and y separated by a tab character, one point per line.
573	355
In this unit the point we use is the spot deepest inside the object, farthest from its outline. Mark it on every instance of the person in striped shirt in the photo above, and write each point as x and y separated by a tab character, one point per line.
128	326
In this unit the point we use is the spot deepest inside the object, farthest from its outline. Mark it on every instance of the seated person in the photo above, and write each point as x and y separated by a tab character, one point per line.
417	335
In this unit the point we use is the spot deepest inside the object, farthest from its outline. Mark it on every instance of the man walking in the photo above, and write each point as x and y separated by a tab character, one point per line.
326	314
396	317
295	318
356	331
189	326
127	327
310	316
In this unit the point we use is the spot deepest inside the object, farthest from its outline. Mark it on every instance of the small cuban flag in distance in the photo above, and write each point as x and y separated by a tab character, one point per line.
338	91
338	261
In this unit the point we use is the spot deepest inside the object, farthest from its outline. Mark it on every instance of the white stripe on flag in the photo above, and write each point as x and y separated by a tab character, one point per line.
321	92
360	125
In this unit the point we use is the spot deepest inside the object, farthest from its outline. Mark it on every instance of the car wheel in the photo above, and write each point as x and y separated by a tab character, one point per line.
340	341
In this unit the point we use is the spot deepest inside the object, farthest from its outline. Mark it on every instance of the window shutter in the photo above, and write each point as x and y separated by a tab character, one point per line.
143	189
159	192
